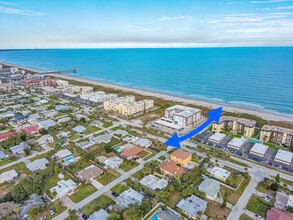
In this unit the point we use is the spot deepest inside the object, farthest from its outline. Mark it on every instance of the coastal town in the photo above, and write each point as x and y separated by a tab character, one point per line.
75	150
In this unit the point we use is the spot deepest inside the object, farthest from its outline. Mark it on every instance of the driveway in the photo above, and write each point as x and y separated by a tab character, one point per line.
96	184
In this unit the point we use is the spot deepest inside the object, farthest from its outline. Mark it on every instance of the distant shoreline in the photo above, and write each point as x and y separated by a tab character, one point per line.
235	109
262	114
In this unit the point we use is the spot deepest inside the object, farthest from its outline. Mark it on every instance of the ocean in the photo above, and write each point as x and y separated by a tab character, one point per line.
259	78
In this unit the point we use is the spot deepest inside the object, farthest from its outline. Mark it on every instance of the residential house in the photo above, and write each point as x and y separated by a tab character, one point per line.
8	176
180	156
39	164
192	206
171	169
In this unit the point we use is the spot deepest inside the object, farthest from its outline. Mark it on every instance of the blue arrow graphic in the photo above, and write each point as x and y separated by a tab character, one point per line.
214	115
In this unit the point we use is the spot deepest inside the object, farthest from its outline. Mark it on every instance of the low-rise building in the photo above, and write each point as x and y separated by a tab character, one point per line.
171	169
39	164
132	152
167	214
210	187
113	162
275	214
47	124
33	201
89	173
99	215
258	150
142	142
64	156
62	83
61	108
29	130
192	205
277	135
64	187
129	197
220	173
63	120
237	125
47	138
3	155
6	135
19	149
236	143
8	176
217	137
284	157
79	129
180	156
183	115
154	182
103	138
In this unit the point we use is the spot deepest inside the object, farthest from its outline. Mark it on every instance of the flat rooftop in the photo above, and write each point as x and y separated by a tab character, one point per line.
217	137
183	111
277	129
259	149
236	143
245	121
285	156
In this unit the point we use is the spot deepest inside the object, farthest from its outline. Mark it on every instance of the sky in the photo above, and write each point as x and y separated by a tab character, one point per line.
145	23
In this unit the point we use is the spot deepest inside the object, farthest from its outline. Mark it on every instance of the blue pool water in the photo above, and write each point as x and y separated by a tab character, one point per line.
117	149
154	217
254	77
253	140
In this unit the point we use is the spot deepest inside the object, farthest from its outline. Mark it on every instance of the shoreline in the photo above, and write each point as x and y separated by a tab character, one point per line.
262	114
229	108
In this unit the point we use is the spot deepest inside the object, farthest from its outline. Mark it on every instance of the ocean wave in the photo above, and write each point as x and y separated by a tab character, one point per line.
248	104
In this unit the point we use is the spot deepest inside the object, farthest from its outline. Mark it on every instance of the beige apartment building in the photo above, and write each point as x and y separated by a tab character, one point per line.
237	125
62	83
277	135
79	89
127	106
116	105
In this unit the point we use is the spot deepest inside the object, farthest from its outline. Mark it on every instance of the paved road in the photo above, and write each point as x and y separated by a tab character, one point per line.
106	188
25	158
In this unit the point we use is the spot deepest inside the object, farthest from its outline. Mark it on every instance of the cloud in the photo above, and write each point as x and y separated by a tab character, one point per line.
262	30
269	1
7	3
8	10
165	18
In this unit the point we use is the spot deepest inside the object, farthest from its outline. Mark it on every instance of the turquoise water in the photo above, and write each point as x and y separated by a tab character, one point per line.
253	140
254	77
117	149
154	217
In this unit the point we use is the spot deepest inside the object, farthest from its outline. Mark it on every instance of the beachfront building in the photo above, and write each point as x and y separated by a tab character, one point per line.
183	115
284	157
277	135
98	97
236	125
180	156
62	83
127	106
258	150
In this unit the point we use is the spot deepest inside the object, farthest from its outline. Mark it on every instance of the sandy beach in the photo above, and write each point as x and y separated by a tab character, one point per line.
265	115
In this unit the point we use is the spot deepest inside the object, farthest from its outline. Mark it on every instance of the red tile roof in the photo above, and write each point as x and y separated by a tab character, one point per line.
29	130
6	135
134	151
171	168
275	214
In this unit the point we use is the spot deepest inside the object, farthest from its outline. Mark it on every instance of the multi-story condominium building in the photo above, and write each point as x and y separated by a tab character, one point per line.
237	125
127	106
98	97
183	115
116	105
277	135
62	83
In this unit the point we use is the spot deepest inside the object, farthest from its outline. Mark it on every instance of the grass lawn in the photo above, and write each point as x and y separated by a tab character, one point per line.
97	204
84	191
261	188
107	124
245	217
214	211
20	168
74	136
138	175
153	153
257	207
128	165
143	154
5	161
113	142
272	146
174	198
119	188
92	129
51	181
46	155
108	177
234	195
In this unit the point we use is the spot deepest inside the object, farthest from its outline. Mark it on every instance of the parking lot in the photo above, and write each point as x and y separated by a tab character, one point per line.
268	158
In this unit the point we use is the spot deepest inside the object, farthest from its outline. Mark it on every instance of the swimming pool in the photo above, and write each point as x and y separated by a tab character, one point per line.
118	149
154	217
253	140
